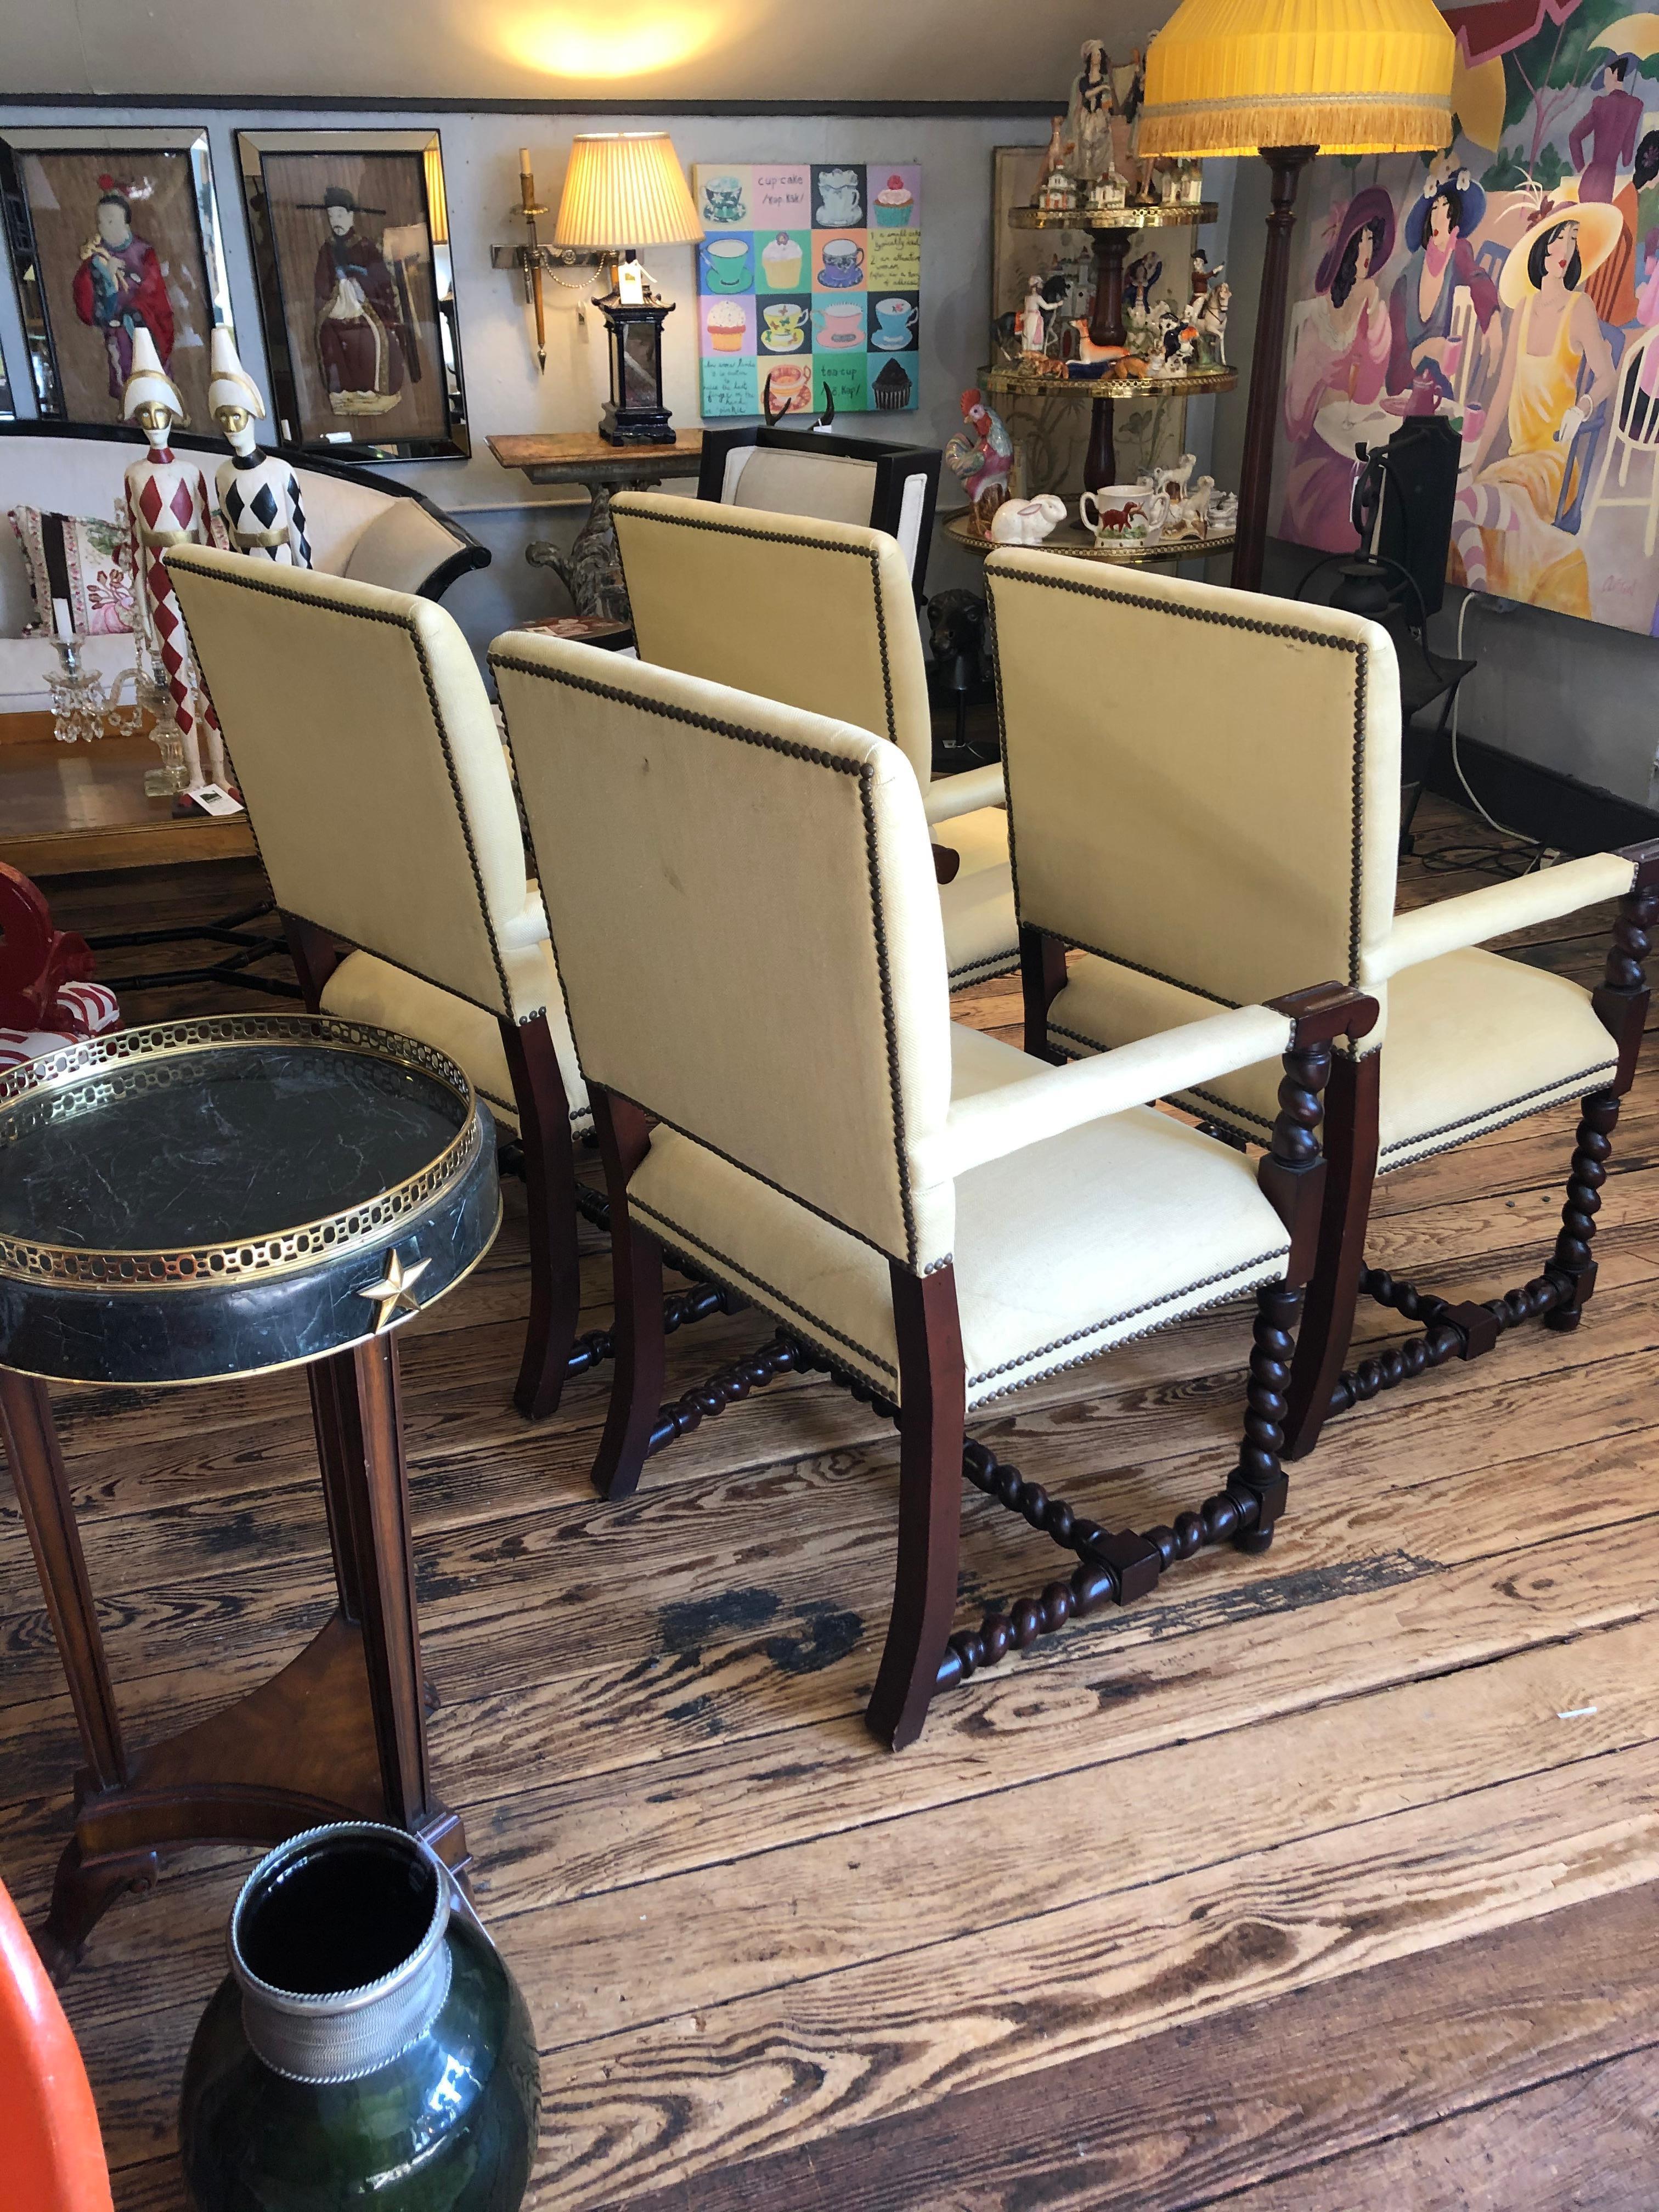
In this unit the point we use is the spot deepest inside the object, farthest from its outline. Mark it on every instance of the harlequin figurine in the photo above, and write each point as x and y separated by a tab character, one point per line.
259	493
167	501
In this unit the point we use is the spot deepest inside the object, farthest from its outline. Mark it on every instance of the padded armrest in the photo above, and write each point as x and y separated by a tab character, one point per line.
993	1123
1495	908
529	927
965	793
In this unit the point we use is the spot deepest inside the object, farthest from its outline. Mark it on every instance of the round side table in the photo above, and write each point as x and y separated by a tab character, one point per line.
218	1197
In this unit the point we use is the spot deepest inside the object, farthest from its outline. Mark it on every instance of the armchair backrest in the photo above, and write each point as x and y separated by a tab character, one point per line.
363	744
743	908
1203	784
816	474
819	615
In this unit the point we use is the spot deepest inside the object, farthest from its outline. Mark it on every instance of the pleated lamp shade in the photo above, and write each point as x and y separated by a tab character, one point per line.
626	189
1349	76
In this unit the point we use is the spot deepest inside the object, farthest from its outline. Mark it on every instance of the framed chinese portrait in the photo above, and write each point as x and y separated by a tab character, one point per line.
109	233
351	236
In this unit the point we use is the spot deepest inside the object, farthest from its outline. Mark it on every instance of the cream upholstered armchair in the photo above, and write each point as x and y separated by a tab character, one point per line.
820	616
929	1215
1250	840
364	745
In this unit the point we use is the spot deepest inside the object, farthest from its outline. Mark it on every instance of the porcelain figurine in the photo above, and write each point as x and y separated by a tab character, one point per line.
1057	193
259	493
981	454
1033	320
1089	119
1027	521
168	499
1174	482
1212	322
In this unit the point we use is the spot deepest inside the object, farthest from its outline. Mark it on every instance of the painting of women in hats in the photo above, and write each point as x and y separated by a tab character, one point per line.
1340	343
1558	367
365	334
1439	226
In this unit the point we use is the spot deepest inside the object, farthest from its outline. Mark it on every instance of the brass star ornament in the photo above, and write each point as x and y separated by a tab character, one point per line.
395	1290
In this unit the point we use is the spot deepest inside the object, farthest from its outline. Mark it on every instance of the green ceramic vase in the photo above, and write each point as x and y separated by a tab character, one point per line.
367	2048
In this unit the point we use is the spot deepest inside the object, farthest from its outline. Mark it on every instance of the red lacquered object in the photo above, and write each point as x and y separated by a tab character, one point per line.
53	2153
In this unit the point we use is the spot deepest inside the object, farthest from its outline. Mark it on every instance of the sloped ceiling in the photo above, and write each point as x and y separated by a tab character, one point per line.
796	50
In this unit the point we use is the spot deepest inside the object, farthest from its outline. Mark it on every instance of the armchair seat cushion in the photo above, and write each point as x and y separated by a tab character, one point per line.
363	988
981	935
1105	1233
1474	1041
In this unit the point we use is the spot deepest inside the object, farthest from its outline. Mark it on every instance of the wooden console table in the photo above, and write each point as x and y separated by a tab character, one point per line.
582	456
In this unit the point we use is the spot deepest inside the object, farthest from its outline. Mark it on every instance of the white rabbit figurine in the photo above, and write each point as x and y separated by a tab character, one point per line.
1027	521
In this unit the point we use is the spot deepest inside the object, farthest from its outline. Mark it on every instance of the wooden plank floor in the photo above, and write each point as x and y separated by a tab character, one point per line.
1327	1880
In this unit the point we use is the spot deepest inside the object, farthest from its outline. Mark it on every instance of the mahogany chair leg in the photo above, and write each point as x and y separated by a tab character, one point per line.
1041	975
932	1390
549	1176
1571	1260
314	954
636	1384
1351	1146
1260	1471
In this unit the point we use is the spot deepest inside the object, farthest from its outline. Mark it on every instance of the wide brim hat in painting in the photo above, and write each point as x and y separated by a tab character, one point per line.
1600	226
148	383
1372	205
1417	216
230	385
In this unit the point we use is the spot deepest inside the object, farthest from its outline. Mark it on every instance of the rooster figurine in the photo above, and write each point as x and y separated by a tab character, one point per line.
981	454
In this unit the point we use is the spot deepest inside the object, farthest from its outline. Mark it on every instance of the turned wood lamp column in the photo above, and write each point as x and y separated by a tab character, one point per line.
1266	366
1105	328
1288	80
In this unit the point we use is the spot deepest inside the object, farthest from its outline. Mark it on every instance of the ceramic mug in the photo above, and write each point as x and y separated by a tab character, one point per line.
894	318
728	261
843	262
1124	514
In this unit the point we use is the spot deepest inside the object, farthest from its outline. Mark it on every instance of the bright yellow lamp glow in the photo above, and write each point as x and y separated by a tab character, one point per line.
616	42
1349	76
626	188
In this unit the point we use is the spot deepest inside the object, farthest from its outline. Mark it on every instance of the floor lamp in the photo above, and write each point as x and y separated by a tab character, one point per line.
1290	79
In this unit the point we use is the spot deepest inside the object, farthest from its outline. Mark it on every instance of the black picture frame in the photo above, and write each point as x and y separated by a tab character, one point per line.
410	329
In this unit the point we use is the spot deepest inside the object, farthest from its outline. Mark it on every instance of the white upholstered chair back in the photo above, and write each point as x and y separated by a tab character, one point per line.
743	908
809	612
1203	784
362	741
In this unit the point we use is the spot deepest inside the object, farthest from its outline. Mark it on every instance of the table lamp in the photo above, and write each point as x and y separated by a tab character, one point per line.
1290	79
624	191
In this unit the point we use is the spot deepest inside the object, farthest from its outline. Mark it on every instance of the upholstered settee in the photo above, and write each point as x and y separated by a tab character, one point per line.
360	524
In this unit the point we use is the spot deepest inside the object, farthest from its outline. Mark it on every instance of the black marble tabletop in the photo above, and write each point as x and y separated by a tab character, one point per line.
205	1197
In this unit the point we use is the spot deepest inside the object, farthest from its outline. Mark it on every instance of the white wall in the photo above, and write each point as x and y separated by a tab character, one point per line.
504	393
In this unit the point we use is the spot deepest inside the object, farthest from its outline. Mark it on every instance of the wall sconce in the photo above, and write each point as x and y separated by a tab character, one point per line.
534	260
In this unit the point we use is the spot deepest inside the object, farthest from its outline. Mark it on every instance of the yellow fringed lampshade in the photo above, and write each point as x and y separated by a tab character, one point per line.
626	189
1349	76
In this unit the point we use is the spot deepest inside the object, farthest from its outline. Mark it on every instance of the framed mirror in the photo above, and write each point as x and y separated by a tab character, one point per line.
350	233
109	230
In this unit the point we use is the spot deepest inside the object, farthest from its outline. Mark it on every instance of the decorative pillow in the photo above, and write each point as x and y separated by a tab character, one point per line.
82	560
